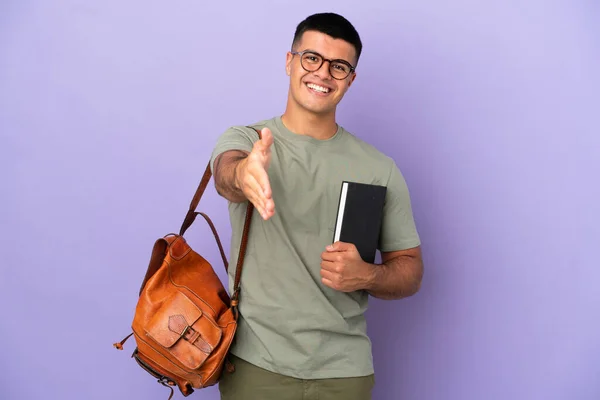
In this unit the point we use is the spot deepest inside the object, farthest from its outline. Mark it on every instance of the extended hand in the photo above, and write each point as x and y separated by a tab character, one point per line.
343	269
252	178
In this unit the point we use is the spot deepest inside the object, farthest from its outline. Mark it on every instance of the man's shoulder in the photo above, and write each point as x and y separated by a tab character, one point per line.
370	150
248	131
238	137
257	125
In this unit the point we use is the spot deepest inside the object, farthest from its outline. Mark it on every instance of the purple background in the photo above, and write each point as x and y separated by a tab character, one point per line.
108	114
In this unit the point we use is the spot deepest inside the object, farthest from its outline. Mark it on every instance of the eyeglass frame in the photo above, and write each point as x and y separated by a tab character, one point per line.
323	59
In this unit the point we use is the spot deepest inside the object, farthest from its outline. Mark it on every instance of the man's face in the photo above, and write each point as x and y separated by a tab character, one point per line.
318	92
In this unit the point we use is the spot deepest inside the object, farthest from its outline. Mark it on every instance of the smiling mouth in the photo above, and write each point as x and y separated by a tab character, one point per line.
317	88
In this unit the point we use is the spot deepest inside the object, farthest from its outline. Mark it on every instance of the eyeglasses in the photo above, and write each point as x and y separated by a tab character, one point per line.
312	61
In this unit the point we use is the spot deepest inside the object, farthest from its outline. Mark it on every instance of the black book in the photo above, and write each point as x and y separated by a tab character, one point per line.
359	218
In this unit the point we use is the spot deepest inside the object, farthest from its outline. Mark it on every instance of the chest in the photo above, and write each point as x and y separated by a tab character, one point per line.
306	181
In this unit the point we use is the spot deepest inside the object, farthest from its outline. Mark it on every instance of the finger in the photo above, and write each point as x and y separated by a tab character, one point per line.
268	211
254	194
266	201
256	202
328	275
334	256
329	256
329	266
266	208
254	190
270	207
255	170
328	282
263	213
262	178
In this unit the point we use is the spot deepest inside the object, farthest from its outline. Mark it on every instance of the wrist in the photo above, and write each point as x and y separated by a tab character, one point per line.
372	273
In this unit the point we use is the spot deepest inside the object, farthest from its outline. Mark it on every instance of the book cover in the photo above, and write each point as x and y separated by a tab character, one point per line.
359	217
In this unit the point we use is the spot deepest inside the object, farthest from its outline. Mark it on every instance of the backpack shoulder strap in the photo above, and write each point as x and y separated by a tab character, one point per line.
191	216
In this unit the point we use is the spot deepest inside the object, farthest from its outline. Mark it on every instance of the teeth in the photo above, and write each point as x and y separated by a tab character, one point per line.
318	88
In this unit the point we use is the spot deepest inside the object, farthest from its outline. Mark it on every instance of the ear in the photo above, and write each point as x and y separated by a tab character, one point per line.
288	63
352	78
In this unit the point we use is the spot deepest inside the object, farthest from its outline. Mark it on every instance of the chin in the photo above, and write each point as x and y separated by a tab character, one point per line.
319	110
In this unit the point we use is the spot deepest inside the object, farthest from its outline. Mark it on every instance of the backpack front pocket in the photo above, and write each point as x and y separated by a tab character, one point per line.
184	330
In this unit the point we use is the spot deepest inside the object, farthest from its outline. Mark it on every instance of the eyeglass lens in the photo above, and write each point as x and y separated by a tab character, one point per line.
313	61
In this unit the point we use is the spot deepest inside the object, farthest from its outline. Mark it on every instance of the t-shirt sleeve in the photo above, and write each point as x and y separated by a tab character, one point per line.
398	231
234	138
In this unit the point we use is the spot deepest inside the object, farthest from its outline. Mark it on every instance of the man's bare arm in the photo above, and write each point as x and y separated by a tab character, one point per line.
241	176
225	168
399	275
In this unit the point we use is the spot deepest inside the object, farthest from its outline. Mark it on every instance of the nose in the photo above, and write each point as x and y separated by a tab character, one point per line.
323	72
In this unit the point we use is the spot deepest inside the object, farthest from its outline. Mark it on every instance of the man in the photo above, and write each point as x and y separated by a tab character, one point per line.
302	332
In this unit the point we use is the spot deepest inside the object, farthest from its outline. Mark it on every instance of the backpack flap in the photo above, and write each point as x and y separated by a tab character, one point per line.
182	329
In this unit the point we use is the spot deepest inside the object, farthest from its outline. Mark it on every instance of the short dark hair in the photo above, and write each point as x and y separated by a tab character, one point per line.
330	24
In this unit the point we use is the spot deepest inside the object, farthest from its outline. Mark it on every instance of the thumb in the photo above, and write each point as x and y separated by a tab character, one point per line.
340	246
267	138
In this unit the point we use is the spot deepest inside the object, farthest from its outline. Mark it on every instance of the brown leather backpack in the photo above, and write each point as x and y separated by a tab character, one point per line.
184	320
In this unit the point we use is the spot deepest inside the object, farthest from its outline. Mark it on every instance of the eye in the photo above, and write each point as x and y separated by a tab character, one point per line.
341	67
312	58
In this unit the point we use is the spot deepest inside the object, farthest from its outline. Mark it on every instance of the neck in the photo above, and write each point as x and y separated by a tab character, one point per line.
303	122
